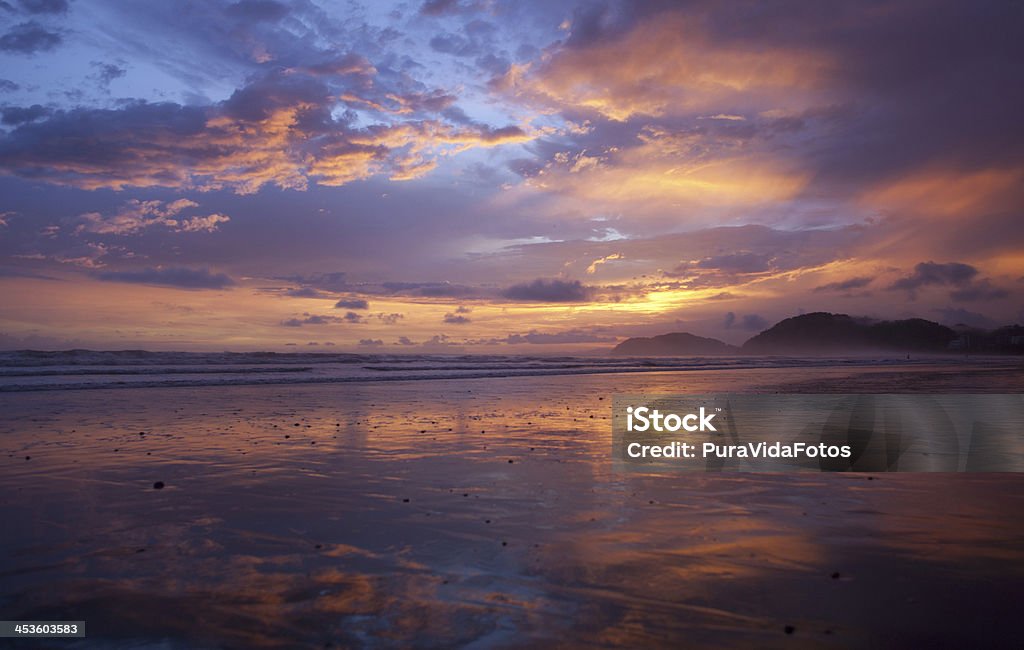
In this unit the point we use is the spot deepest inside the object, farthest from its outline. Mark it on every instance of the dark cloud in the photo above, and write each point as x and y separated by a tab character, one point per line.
429	289
305	292
439	7
182	278
493	64
844	285
553	338
257	10
740	262
99	145
542	290
749	322
264	96
334	281
454	44
17	273
8	86
455	319
925	67
981	290
960	316
107	72
29	38
311	319
45	6
15	115
371	342
351	303
351	64
931	273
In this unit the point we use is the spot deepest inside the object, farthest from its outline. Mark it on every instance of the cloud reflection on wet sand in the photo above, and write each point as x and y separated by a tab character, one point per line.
392	515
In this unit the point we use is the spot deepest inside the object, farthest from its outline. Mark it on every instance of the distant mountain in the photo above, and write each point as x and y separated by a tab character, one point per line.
677	344
824	333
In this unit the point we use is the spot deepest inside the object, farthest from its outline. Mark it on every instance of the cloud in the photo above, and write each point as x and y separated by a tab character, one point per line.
554	290
106	73
29	38
439	7
136	216
279	129
311	319
429	289
17	273
382	317
749	322
960	316
45	6
931	273
88	256
351	303
334	281
740	262
371	342
8	86
981	290
179	277
15	115
661	65
553	338
209	223
844	285
257	10
455	319
305	292
602	260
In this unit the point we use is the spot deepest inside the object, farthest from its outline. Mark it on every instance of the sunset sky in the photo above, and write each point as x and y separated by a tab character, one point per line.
521	177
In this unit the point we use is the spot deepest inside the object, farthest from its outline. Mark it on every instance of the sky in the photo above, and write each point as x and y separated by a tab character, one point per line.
520	177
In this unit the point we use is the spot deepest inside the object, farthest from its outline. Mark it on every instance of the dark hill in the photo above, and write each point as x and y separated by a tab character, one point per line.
677	344
824	333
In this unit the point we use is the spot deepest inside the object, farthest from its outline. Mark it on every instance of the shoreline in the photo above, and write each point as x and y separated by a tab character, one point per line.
284	377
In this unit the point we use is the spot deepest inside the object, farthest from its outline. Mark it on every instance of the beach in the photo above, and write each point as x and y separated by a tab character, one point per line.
484	512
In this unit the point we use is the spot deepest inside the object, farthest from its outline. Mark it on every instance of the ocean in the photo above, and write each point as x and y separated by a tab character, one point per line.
29	370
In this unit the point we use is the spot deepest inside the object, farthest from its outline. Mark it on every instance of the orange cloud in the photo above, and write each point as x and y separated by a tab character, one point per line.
666	65
669	170
279	131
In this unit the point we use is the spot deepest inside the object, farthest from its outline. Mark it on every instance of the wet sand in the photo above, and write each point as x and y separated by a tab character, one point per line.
481	513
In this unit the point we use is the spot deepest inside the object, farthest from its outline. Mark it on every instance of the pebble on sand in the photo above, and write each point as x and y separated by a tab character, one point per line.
159	485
